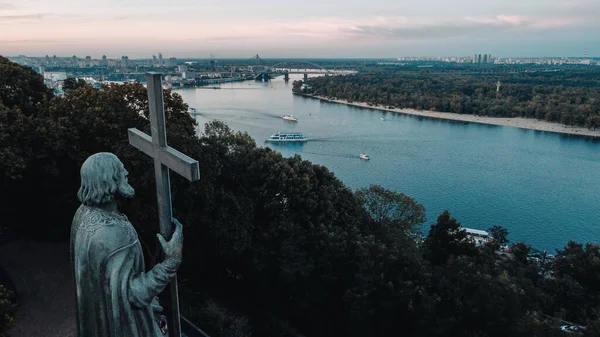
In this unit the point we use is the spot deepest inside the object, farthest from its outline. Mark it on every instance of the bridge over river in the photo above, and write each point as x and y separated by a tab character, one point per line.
280	69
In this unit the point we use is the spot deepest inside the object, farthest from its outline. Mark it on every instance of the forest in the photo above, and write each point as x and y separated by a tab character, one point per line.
278	246
567	95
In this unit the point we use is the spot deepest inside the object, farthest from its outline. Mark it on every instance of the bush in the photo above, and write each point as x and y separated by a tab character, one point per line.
213	317
6	311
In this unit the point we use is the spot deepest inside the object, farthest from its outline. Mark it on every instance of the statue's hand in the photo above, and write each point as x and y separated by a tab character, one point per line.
174	248
156	307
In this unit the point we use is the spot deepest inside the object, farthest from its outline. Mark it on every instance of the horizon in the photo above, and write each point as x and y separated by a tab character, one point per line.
314	29
300	58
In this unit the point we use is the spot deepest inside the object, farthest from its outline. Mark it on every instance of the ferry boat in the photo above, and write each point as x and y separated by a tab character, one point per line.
286	137
290	118
364	156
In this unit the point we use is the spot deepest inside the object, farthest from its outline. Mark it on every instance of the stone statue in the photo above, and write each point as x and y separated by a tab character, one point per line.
116	297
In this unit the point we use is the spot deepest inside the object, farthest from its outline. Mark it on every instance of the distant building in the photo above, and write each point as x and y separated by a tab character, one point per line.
172	62
124	61
55	76
160	59
104	61
182	68
479	237
188	75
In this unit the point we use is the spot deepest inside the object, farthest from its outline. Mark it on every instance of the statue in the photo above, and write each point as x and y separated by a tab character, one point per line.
115	294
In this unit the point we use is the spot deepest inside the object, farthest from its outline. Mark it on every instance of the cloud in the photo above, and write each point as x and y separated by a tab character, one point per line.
38	16
7	5
468	27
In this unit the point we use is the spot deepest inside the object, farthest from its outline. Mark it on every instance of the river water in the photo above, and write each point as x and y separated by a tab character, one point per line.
543	187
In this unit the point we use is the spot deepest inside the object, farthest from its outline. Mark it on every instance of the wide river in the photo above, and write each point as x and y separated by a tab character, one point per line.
543	187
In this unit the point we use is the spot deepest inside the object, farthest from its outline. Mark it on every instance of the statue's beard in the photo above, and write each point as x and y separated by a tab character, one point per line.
125	190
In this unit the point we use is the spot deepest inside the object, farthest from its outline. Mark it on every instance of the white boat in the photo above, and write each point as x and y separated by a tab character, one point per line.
193	112
364	156
286	137
290	118
382	118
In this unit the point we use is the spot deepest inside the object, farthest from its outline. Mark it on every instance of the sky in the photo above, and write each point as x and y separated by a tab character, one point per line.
300	28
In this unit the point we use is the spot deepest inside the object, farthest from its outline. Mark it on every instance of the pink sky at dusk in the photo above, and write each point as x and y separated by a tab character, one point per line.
311	28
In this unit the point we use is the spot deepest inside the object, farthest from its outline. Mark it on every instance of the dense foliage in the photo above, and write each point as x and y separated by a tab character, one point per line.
6	311
567	96
278	246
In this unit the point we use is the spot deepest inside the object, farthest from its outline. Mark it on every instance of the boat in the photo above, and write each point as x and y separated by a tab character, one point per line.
290	118
382	118
193	111
364	156
286	137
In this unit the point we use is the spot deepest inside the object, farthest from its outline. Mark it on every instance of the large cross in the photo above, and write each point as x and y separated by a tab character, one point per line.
165	158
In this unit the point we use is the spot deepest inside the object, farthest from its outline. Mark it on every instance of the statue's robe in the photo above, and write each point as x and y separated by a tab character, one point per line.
114	294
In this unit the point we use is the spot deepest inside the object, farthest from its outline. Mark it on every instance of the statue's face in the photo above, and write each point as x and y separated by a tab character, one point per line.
124	189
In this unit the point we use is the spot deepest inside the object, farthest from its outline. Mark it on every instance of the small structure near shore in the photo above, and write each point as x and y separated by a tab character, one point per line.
479	237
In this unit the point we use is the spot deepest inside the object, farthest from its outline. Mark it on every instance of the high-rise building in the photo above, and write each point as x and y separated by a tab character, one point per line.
479	58
88	61
160	59
475	58
154	60
485	58
125	61
104	61
172	62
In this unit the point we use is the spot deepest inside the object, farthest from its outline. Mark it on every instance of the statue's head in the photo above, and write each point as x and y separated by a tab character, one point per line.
103	176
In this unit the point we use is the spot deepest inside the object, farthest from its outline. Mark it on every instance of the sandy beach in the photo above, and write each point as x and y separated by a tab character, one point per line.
517	122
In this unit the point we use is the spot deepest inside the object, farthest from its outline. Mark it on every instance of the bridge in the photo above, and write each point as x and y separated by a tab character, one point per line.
279	69
284	68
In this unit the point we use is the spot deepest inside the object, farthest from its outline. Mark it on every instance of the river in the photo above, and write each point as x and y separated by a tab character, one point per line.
543	187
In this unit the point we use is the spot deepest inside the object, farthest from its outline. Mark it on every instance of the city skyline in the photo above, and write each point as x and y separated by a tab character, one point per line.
312	29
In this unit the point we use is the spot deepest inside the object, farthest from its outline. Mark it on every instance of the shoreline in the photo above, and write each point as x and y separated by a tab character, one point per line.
515	122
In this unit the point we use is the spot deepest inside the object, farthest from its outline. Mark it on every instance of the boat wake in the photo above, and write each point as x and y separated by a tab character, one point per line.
338	155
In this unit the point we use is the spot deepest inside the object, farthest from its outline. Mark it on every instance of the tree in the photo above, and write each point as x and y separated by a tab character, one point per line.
593	122
445	239
21	87
391	211
580	262
499	235
6	312
520	252
566	119
71	84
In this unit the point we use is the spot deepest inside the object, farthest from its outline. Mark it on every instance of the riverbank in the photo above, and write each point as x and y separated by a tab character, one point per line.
516	122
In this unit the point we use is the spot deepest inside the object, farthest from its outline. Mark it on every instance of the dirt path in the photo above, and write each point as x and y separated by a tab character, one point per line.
41	272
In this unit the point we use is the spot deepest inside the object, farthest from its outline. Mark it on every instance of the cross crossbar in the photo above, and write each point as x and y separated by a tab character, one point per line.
166	155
